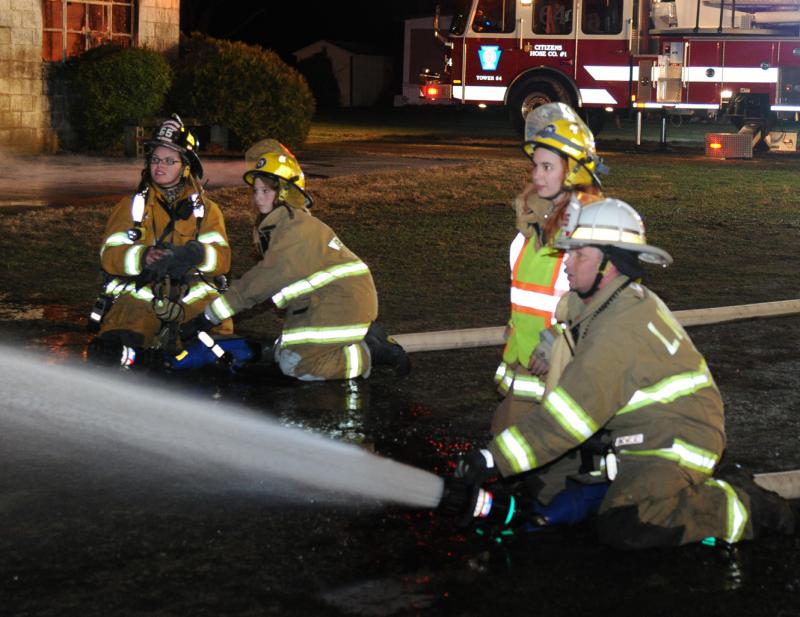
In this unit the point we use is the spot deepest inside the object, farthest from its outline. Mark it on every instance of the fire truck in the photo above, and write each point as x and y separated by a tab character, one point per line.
735	57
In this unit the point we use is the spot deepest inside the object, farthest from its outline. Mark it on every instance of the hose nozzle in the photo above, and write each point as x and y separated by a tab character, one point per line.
472	503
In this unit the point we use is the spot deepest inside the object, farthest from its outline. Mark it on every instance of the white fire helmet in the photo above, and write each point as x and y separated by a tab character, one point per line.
611	222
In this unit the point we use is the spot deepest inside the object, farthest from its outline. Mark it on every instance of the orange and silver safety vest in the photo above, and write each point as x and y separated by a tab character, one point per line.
538	281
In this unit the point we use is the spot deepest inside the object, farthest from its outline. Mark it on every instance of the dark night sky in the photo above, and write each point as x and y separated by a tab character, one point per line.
288	25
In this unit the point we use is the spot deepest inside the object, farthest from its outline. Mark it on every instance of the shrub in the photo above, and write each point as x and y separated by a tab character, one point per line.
245	88
111	86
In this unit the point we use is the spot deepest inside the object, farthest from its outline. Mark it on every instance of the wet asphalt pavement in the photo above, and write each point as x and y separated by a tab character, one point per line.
100	543
88	539
39	181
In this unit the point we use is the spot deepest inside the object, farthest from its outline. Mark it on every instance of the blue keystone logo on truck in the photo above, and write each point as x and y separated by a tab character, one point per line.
489	56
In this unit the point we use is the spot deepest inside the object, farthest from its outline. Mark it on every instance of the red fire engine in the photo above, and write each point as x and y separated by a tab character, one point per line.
739	57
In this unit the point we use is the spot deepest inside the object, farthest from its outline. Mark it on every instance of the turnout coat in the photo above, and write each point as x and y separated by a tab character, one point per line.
121	259
326	291
636	376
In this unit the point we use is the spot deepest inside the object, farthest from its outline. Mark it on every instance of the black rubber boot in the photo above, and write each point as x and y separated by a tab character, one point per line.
104	352
107	349
385	351
769	512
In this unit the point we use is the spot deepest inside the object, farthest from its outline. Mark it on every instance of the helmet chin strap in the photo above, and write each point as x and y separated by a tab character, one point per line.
601	272
554	195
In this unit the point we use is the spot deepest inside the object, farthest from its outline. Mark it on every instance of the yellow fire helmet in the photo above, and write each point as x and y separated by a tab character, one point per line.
272	159
557	127
612	222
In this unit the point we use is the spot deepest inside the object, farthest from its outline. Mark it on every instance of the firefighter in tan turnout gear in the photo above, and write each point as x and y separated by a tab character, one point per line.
326	291
636	396
163	251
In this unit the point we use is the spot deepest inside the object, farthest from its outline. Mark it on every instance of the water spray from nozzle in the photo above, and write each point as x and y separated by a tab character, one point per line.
115	419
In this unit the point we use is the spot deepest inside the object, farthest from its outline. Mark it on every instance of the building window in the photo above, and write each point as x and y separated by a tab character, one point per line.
73	26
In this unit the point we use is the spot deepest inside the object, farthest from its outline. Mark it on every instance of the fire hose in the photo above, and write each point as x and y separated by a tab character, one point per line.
492	336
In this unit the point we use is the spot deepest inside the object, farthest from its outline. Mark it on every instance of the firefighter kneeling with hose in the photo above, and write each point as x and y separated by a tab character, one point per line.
164	255
325	290
632	393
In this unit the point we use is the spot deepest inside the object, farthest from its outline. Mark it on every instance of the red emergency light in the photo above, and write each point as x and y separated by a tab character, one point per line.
431	91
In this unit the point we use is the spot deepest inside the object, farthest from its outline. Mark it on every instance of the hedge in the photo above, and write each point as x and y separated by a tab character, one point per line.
111	86
245	88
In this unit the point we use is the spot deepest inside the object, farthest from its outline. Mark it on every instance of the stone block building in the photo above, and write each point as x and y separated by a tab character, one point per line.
35	35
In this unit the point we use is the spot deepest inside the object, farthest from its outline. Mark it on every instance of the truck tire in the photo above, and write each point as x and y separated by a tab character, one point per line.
531	93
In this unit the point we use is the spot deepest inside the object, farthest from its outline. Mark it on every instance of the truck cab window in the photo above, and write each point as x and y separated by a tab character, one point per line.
552	17
602	17
460	11
495	16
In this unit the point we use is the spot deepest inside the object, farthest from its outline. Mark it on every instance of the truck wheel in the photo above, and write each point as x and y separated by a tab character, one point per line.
530	94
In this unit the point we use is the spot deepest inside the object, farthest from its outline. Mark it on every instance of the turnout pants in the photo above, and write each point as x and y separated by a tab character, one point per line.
138	316
656	502
318	362
659	503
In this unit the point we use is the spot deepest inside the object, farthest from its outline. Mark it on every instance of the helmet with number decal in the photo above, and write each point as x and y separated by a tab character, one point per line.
557	127
271	159
174	135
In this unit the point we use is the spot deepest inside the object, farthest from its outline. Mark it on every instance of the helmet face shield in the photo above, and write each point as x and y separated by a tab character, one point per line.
611	222
543	115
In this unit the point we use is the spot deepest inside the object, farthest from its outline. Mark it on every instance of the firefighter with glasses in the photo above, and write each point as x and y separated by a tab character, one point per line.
325	290
638	400
564	177
164	253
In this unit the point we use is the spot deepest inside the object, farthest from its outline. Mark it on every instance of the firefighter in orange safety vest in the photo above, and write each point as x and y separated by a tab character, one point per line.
564	177
165	251
637	397
325	290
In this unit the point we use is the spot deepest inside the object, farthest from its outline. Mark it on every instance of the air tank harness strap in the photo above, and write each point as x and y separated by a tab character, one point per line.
192	205
138	202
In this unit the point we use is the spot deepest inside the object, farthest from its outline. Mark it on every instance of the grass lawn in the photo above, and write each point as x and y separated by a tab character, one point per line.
446	121
436	239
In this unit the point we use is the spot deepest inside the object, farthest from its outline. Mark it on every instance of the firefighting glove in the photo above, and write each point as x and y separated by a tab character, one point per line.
153	272
544	350
190	329
476	467
184	258
459	500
